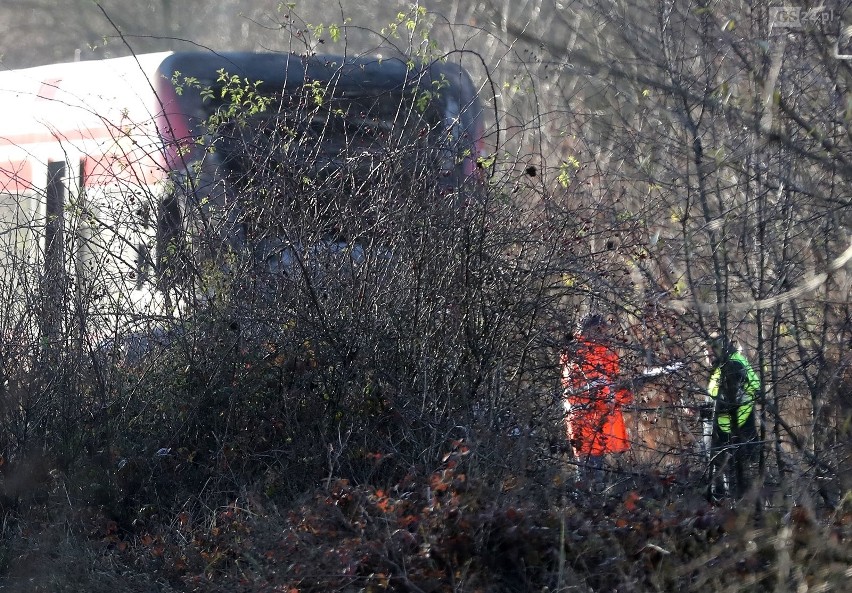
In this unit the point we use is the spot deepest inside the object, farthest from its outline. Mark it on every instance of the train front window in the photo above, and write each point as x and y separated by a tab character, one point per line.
328	166
343	143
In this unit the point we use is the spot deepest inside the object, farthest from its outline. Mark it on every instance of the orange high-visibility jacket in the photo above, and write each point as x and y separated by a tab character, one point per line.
594	419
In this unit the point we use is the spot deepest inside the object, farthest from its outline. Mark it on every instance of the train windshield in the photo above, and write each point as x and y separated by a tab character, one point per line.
347	143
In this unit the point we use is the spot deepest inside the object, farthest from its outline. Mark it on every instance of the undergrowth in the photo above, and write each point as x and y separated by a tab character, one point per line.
434	531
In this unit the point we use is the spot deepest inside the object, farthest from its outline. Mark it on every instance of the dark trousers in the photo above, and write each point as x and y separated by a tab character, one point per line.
731	455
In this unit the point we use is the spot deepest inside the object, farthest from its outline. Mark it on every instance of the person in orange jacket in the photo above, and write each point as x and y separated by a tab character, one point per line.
592	399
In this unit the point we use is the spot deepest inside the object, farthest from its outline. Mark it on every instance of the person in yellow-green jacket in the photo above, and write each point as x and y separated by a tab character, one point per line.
730	429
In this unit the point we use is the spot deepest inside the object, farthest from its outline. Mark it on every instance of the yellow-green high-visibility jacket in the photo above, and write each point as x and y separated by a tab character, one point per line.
745	396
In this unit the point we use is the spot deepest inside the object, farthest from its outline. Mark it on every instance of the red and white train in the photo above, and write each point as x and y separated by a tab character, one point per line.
91	152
